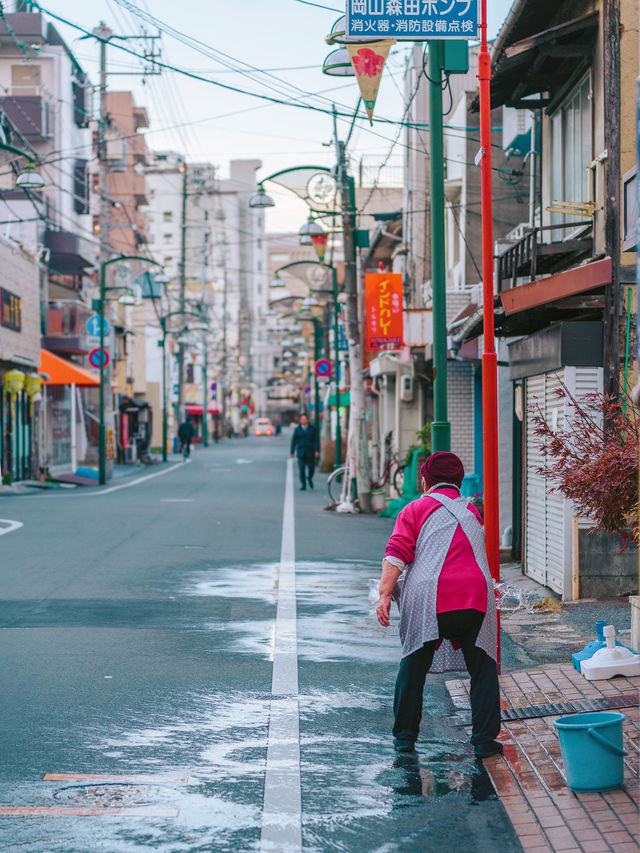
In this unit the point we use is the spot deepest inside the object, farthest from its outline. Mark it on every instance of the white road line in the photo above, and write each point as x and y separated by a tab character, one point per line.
135	482
282	809
13	525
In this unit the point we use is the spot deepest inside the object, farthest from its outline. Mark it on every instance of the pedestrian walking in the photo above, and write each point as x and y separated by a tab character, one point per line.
436	567
304	445
185	437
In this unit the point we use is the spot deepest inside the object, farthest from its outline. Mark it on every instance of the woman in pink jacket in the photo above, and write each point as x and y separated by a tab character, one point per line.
435	566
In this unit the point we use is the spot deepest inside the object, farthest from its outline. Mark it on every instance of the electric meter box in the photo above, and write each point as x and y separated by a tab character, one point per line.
406	389
456	56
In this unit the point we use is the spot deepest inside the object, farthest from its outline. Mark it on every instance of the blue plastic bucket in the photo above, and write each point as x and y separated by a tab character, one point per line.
592	750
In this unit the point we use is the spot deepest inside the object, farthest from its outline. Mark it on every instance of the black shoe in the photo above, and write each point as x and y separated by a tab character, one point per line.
310	484
404	745
302	489
491	747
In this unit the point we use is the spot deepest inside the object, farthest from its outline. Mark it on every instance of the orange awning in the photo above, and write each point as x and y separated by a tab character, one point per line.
63	372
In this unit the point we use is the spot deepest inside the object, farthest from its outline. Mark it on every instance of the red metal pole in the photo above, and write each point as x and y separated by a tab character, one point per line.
489	357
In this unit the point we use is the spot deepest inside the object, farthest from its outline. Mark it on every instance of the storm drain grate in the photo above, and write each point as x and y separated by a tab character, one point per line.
554	709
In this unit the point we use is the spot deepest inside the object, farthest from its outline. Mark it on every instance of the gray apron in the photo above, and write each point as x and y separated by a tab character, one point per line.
417	591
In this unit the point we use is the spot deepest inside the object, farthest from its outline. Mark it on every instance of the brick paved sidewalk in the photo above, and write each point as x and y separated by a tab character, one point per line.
529	780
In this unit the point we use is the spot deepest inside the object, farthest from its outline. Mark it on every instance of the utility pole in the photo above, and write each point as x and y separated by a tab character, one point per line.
203	285
223	382
440	428
103	34
347	197
183	286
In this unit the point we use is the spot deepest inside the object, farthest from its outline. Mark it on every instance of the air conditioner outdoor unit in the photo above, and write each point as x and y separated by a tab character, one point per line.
406	389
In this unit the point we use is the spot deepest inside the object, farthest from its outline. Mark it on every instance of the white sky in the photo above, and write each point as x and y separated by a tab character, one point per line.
209	124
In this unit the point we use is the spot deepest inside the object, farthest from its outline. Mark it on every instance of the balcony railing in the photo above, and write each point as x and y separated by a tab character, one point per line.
529	257
31	115
66	330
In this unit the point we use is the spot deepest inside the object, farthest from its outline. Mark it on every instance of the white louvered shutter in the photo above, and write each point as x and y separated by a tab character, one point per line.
534	486
555	528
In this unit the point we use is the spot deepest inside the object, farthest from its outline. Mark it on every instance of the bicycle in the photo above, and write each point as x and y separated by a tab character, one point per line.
393	472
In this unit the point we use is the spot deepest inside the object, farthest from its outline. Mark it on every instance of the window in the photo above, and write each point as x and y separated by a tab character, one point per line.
81	187
25	79
167	238
167	216
279	257
571	150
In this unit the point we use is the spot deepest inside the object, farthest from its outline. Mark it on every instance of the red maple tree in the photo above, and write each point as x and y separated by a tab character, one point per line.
593	459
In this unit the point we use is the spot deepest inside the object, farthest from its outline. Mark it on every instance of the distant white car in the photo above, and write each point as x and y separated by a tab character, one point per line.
264	427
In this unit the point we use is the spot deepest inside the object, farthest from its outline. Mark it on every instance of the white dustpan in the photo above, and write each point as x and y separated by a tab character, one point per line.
610	661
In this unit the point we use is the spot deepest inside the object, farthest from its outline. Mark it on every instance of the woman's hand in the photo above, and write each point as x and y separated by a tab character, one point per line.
383	610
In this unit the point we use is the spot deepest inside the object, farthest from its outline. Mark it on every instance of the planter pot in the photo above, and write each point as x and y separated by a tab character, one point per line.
605	566
378	500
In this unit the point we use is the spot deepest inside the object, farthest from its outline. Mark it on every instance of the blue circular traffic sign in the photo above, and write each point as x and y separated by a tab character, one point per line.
98	358
323	367
93	326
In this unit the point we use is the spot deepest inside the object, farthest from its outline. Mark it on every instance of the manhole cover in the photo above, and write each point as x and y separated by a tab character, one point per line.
110	795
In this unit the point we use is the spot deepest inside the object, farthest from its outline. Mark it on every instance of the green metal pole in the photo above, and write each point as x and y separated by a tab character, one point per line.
336	316
205	424
440	428
316	356
164	390
102	446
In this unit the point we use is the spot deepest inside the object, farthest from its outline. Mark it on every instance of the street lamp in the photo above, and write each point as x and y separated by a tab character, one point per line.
336	316
311	229
129	298
102	444
338	64
314	185
261	199
29	179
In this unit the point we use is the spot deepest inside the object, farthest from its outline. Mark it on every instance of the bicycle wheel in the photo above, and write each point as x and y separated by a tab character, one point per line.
398	479
335	483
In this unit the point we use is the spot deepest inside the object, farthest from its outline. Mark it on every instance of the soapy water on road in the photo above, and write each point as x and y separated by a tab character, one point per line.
509	598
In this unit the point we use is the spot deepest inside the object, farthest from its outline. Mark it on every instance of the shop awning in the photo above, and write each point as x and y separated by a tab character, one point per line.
125	402
534	69
345	399
63	372
197	410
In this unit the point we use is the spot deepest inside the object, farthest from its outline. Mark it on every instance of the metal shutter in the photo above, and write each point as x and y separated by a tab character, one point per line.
582	381
534	487
555	530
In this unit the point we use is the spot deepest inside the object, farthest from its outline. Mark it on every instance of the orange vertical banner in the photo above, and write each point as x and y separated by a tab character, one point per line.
383	306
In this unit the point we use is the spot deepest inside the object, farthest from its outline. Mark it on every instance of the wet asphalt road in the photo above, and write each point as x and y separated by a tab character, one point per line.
137	636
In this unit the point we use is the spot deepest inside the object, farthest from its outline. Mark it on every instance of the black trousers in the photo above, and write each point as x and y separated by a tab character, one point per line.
463	626
306	467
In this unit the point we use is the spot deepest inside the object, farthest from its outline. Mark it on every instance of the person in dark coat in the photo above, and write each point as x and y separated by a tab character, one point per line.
185	436
304	445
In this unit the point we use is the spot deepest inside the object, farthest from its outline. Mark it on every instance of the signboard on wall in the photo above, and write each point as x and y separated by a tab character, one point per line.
383	307
10	310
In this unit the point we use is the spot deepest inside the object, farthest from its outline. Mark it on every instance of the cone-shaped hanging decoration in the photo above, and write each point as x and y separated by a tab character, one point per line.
368	62
320	244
